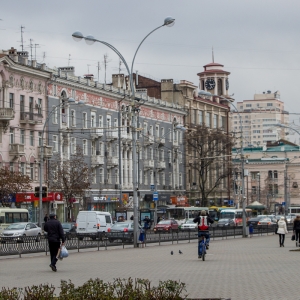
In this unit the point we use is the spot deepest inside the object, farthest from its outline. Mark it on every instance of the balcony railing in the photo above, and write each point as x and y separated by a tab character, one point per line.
161	165
96	133
111	134
48	151
16	149
97	160
30	118
6	114
112	161
148	164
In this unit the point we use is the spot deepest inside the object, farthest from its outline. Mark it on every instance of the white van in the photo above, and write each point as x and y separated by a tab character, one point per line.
93	223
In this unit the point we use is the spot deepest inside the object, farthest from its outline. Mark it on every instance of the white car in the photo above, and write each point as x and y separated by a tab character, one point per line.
189	225
21	229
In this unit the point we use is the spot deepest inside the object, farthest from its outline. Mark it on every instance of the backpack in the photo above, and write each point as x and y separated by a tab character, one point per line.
203	225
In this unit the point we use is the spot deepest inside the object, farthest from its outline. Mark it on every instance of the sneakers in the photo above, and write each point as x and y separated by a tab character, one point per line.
199	256
207	247
53	268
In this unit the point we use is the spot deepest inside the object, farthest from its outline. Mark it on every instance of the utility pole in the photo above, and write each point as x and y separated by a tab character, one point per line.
22	42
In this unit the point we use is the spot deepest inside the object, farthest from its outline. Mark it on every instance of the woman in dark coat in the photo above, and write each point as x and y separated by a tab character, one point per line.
296	230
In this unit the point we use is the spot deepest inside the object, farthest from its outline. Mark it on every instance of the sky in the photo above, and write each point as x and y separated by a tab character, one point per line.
256	40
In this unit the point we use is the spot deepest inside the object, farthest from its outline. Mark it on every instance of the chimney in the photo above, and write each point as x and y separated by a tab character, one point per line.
33	63
25	61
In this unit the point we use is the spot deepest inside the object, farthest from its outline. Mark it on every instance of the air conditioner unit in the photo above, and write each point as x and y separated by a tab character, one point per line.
54	205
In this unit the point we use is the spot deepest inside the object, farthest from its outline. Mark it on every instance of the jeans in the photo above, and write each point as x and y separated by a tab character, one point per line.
53	247
207	238
281	238
297	235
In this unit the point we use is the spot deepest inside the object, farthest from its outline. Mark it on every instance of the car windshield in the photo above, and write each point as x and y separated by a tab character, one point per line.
164	223
15	227
66	226
189	222
120	225
265	220
224	220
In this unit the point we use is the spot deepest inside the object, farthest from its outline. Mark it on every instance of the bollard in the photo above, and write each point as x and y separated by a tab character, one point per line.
78	244
20	249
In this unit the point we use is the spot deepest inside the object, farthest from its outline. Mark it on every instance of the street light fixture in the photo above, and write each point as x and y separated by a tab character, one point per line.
77	36
70	100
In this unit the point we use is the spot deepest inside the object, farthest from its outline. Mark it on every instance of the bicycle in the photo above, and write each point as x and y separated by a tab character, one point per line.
202	246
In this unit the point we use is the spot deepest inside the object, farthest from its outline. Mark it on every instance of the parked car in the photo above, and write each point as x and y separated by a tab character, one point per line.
17	230
188	225
255	220
121	231
166	226
225	223
69	229
266	221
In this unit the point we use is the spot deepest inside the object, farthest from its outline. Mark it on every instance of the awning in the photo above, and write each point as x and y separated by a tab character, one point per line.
256	205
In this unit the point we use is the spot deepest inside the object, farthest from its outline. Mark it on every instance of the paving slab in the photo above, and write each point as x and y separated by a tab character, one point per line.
240	268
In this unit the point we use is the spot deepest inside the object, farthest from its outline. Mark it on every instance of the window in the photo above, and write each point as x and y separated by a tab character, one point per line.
11	166
140	177
73	145
208	119
23	171
145	177
269	104
73	118
31	105
11	135
55	143
93	175
101	175
22	136
93	148
39	106
54	115
275	174
151	153
100	148
11	100
157	131
151	177
180	179
223	122
31	138
93	119
84	120
151	130
162	132
170	135
248	105
145	129
84	147
215	121
163	178
31	171
40	139
201	117
108	121
22	103
169	157
101	121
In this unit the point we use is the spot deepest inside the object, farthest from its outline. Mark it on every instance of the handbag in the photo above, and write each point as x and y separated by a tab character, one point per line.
293	237
63	252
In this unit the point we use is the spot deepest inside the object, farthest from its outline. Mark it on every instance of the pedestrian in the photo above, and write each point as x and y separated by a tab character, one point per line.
296	230
131	218
46	219
55	236
282	230
142	237
251	230
147	222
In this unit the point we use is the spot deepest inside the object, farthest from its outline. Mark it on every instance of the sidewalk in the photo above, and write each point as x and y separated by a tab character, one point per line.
250	268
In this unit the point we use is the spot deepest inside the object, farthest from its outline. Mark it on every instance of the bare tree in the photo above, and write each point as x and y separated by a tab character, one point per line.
208	157
12	183
71	177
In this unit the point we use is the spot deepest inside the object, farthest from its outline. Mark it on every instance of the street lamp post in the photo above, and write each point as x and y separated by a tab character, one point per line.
169	21
70	100
242	157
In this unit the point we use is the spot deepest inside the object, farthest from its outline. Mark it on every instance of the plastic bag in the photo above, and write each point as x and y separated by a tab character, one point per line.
63	252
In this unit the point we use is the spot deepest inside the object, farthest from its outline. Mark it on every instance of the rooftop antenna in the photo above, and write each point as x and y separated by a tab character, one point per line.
22	42
120	64
35	50
69	59
30	45
106	61
213	58
98	68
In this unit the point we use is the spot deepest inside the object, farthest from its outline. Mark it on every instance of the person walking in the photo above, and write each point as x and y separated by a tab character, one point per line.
46	219
296	230
55	234
282	230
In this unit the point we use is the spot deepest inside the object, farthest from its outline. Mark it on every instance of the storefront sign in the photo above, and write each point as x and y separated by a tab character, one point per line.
29	197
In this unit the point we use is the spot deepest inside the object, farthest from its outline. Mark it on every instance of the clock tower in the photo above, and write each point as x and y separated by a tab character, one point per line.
214	79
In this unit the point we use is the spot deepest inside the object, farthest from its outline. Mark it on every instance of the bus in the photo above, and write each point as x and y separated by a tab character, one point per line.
185	212
295	210
236	215
12	215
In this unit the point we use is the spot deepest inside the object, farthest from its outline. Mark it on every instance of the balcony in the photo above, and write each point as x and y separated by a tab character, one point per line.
148	140
48	151
97	160
112	161
6	114
30	118
16	150
160	141
96	133
161	165
148	164
126	136
111	134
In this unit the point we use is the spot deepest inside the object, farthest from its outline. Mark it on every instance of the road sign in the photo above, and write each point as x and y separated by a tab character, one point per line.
283	203
152	187
155	196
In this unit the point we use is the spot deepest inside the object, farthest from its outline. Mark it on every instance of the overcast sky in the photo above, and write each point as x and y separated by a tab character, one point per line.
257	41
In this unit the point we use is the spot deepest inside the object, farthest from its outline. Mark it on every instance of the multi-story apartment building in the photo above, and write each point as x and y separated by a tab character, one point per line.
211	111
102	128
23	103
260	118
273	174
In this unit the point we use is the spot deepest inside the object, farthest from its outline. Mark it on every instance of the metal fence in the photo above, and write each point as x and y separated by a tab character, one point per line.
25	245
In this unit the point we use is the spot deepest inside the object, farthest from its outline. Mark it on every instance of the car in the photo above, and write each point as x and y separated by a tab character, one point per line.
255	220
17	230
266	221
121	231
69	229
290	218
188	225
166	226
225	223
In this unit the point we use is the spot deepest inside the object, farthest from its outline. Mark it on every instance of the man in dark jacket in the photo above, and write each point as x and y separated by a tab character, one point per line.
55	234
203	221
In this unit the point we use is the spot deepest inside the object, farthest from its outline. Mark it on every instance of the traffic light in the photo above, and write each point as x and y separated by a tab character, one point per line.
37	192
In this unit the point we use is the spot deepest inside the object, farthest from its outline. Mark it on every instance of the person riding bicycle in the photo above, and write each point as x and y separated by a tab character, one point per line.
203	221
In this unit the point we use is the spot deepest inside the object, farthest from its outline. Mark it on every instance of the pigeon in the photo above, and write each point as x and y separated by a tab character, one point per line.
180	252
171	252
